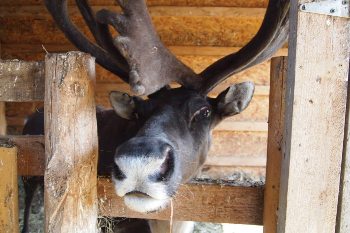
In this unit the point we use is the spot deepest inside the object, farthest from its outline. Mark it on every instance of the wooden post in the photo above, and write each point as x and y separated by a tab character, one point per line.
8	188
3	124
343	218
317	83
275	139
71	144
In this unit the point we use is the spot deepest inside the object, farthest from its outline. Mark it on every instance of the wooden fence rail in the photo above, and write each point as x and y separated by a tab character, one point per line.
240	203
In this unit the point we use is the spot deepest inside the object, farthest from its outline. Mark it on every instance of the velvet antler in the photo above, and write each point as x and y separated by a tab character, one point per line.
139	57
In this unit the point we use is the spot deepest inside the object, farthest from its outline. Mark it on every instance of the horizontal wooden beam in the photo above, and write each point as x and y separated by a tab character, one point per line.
177	50
21	81
216	201
205	26
216	3
200	201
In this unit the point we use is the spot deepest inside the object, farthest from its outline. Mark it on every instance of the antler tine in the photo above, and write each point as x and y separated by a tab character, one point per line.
58	10
270	37
100	32
152	64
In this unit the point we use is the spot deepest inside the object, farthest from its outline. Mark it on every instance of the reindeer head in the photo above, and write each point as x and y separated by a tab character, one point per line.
175	125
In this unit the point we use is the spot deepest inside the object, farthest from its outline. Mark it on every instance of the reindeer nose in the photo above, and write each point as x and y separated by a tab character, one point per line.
144	159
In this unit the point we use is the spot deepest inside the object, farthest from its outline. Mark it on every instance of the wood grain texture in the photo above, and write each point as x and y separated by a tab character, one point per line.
230	3
206	26
8	188
195	202
30	154
3	124
274	142
21	81
343	216
71	149
317	85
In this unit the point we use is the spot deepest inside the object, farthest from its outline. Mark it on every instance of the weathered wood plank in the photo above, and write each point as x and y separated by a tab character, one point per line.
3	124
274	142
198	58
206	26
21	81
343	215
8	188
195	202
33	51
216	3
317	85
71	149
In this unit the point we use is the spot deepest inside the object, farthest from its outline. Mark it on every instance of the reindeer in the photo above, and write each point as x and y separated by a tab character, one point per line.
153	145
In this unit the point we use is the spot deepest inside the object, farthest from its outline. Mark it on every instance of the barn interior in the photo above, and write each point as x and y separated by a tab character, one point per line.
197	32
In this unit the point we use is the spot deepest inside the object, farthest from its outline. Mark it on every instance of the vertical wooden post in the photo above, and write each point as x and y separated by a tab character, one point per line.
343	218
317	82
8	188
275	140
3	124
70	144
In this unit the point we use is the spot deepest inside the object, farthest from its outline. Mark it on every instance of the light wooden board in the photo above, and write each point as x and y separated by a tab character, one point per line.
343	217
3	124
195	202
319	49
21	81
8	188
274	143
200	26
71	141
233	3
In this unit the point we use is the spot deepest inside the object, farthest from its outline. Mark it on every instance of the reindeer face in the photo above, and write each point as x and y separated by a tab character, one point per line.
174	136
172	143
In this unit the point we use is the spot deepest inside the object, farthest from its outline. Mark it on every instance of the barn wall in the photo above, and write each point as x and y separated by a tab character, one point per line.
199	32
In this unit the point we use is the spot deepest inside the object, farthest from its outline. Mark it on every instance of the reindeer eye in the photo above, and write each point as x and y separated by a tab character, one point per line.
202	113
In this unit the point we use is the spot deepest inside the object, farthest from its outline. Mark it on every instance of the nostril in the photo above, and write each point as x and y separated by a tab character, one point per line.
167	167
117	173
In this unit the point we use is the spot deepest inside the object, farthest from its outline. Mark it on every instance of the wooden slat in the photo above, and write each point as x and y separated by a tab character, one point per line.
343	215
3	124
315	115
8	188
206	26
71	141
31	154
196	57
21	81
216	3
195	202
36	49
274	143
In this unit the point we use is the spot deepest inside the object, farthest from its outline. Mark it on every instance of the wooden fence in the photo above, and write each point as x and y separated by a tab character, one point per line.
307	145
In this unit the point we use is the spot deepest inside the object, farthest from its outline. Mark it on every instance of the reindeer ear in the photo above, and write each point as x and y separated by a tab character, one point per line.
234	99
123	104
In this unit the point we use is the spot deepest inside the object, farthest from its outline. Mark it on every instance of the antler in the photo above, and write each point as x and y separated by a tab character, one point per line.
139	57
58	10
152	64
271	36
